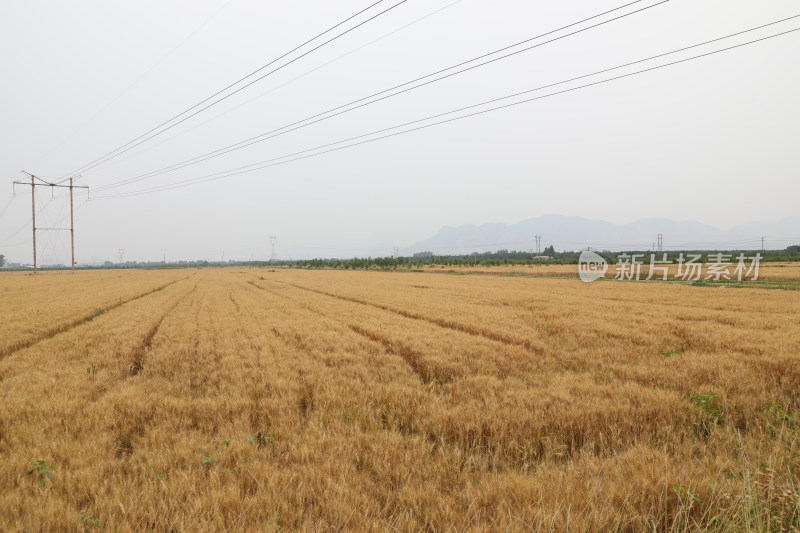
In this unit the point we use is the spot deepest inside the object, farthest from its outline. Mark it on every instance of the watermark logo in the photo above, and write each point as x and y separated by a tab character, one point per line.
591	266
689	267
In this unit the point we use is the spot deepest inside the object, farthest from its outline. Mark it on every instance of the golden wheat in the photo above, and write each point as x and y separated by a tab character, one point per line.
328	400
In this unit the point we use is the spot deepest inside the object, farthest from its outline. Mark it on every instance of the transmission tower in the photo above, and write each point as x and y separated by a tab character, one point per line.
273	242
44	183
121	255
538	245
660	242
395	252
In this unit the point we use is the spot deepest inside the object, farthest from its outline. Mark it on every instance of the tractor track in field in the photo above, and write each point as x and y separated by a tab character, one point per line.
412	358
295	340
415	360
63	328
138	355
253	345
442	323
234	302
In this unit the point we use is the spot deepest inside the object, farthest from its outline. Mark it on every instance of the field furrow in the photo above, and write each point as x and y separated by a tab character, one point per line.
81	301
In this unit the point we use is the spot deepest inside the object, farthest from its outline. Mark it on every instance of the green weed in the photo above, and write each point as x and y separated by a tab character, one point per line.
42	471
84	517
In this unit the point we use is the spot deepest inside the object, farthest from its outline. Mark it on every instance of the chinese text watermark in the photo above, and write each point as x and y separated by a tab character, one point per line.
689	267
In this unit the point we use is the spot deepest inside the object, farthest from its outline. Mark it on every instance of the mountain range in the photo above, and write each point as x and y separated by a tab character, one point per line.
574	233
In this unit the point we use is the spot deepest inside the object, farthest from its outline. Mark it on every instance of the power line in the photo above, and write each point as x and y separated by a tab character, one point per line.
275	161
26	224
240	170
334	112
135	82
315	69
3	212
147	135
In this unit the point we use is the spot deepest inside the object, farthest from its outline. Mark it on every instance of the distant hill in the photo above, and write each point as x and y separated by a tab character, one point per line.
573	233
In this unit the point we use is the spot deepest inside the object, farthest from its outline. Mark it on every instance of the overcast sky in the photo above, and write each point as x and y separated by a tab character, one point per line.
713	140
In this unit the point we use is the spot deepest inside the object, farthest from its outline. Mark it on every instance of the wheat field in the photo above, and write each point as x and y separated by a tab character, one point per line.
286	400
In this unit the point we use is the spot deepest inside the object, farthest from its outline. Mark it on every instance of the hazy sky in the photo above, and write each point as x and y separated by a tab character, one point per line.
714	140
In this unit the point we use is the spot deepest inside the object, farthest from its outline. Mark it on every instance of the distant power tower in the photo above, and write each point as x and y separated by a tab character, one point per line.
273	242
395	251
538	244
121	255
660	242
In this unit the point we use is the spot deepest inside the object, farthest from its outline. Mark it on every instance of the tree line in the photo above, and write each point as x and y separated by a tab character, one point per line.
517	257
427	259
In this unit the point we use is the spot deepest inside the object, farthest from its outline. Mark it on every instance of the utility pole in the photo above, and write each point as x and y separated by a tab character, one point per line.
660	242
71	227
45	183
33	217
